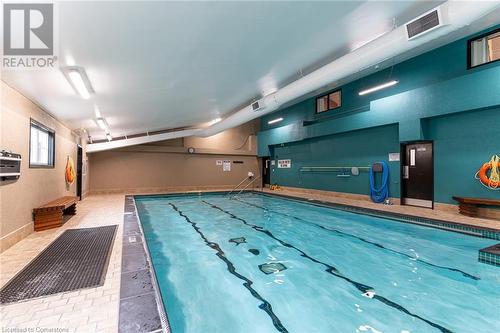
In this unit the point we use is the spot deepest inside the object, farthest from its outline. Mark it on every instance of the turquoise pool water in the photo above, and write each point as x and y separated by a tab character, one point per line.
267	264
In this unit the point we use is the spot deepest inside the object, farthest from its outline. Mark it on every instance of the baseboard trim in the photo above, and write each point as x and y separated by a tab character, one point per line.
15	236
417	202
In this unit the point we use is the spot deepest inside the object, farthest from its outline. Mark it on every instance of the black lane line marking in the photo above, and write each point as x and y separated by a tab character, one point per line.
341	233
332	270
266	306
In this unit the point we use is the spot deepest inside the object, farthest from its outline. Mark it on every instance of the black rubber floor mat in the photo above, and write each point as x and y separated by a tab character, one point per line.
77	259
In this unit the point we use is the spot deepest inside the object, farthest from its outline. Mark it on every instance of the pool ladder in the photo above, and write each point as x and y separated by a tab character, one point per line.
251	178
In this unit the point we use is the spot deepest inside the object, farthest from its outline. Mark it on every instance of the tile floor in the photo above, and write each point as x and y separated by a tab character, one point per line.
86	310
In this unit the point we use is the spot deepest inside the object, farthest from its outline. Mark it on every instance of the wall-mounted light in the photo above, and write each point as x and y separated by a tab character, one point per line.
277	120
79	80
379	87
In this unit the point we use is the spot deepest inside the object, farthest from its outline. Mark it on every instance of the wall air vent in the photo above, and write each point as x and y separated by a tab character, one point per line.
424	24
256	106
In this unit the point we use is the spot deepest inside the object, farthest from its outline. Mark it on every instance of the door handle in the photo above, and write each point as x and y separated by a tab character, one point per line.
406	172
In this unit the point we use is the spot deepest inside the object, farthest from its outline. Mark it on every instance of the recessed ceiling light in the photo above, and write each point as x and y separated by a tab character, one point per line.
379	87
79	81
277	120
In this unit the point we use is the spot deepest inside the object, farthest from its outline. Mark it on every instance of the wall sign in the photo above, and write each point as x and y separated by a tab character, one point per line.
226	166
393	157
284	164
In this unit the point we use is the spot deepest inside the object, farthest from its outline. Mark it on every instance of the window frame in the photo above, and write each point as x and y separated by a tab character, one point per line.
51	148
328	108
469	49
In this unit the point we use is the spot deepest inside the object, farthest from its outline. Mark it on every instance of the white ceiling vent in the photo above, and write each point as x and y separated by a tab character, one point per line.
256	106
424	24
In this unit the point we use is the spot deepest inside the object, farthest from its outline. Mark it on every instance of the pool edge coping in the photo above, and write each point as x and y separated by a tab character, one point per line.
165	325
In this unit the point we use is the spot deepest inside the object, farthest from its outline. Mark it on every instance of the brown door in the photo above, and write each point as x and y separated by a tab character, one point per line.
266	171
417	174
79	161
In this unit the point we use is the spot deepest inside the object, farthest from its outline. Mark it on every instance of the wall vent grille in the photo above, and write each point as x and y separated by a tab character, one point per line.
423	24
256	106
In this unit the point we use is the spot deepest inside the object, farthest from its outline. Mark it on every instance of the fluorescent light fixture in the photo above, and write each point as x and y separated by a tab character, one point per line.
109	137
81	89
277	120
215	121
78	80
101	123
379	87
97	112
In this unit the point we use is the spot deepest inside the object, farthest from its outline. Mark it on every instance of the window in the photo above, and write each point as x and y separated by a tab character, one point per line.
322	104
42	146
334	100
484	49
329	102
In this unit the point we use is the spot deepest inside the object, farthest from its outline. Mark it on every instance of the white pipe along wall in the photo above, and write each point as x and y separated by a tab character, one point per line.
455	15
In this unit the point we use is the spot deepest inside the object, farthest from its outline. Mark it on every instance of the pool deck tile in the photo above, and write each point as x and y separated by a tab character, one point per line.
139	314
86	310
136	283
490	255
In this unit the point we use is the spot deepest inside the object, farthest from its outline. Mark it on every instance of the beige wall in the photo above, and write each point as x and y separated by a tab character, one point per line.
241	139
166	166
35	186
156	172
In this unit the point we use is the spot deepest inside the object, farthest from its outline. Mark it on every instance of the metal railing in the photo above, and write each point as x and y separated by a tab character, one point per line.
236	187
244	188
331	168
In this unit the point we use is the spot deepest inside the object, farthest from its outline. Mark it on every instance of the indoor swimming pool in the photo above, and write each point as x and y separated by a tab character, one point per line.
261	263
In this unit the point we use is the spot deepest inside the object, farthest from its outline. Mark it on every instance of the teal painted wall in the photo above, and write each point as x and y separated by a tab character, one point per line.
462	143
357	148
433	87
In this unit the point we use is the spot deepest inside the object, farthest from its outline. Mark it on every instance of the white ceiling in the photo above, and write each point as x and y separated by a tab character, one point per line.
159	65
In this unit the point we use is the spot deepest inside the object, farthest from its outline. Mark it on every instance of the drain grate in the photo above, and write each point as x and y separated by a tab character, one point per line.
77	259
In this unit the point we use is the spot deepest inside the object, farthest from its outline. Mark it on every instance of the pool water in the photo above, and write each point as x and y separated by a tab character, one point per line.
262	263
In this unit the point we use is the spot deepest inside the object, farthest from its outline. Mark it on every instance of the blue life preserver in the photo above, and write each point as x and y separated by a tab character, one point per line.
382	193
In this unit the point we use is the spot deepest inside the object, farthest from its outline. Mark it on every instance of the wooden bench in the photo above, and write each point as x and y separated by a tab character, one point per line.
51	214
470	206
